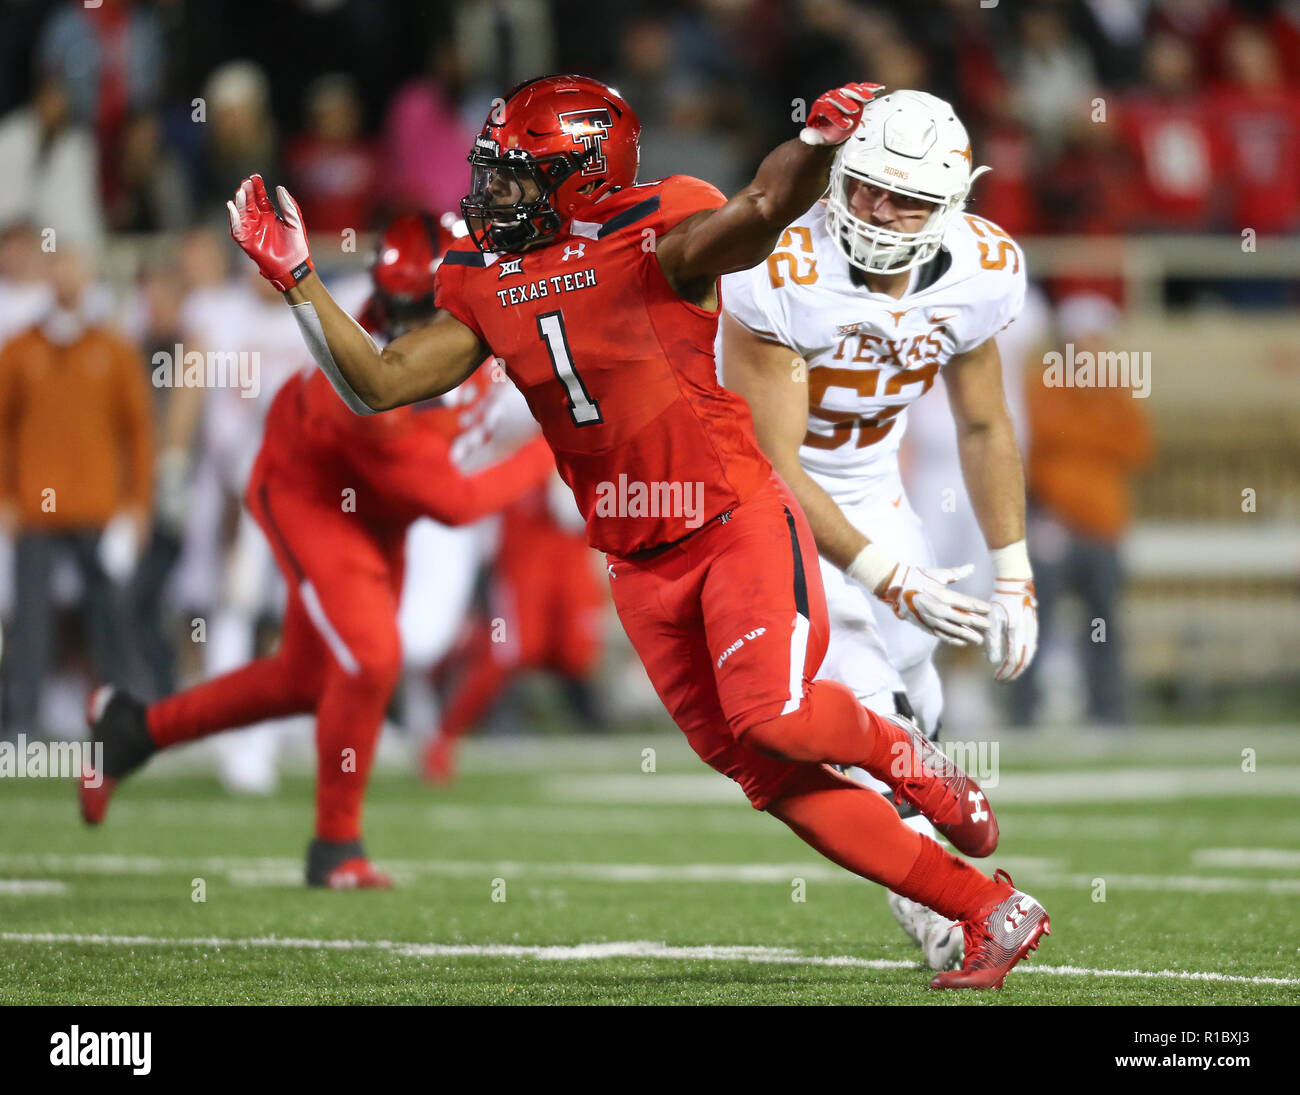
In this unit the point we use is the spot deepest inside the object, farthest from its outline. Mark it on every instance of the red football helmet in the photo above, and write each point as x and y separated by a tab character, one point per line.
546	154
408	252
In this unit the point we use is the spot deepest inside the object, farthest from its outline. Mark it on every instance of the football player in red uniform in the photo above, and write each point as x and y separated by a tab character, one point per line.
599	297
334	494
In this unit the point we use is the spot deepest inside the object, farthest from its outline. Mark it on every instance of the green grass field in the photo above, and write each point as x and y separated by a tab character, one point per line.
623	886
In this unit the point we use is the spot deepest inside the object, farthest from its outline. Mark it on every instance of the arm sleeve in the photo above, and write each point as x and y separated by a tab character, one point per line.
314	335
423	479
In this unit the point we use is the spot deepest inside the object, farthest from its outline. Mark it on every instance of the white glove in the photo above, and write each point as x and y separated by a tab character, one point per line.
1012	639
172	489
119	547
922	597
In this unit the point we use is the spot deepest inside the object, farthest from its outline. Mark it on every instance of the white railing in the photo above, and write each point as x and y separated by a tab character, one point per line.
1145	262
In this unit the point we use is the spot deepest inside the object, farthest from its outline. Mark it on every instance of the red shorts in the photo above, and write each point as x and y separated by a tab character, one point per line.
730	624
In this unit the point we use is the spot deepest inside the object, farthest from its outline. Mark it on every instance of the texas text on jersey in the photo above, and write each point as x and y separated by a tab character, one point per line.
870	355
616	367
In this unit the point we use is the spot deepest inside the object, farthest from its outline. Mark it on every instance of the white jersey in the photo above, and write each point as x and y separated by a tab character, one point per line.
870	355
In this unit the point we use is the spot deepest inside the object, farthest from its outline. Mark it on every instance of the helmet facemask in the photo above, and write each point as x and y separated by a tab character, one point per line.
509	206
877	250
912	145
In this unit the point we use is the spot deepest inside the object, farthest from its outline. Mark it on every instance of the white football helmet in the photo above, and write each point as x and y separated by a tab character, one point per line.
909	142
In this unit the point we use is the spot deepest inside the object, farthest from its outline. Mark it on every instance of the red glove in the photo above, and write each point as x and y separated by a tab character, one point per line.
836	114
278	244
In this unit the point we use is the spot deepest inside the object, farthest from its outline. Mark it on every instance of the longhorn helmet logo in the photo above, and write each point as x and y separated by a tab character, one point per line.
589	128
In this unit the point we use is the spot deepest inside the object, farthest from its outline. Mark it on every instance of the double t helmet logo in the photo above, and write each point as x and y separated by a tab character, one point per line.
589	128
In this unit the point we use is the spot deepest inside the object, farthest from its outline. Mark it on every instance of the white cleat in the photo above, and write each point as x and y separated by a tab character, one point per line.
942	942
940	939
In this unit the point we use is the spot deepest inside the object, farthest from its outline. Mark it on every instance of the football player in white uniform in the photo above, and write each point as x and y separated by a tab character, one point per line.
867	297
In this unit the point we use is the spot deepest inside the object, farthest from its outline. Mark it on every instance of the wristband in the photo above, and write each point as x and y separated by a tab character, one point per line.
289	280
871	567
1012	562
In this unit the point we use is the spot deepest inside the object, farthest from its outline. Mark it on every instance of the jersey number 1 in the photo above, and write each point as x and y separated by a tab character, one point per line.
584	410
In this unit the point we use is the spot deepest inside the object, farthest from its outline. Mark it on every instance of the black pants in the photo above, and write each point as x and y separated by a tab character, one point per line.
156	660
28	645
1091	570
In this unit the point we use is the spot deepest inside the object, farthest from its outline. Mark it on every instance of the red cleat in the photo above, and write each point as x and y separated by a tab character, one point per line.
94	790
939	789
996	939
343	865
120	743
357	874
438	764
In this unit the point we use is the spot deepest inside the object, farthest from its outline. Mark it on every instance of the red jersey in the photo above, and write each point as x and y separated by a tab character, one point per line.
402	464
1262	131
1179	147
616	367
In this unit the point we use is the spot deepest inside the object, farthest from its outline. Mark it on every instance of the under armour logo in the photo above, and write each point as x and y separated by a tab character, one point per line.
610	568
510	266
573	251
1016	916
978	813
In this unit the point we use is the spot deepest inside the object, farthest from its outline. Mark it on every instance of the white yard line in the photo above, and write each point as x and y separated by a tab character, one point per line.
1037	873
1280	859
263	869
588	952
1163	784
31	887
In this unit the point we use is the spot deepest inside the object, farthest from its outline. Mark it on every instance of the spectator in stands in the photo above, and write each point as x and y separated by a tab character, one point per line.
76	449
1006	195
333	170
681	129
421	128
1175	137
1053	75
109	57
153	193
1086	443
48	169
1260	117
239	137
24	291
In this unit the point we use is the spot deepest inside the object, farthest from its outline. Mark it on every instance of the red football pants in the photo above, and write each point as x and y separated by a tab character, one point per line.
731	625
339	655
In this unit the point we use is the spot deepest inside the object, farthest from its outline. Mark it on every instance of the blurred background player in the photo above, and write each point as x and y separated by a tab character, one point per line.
545	611
1086	446
866	298
334	493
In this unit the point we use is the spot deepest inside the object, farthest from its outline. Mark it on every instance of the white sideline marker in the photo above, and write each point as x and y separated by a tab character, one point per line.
590	952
